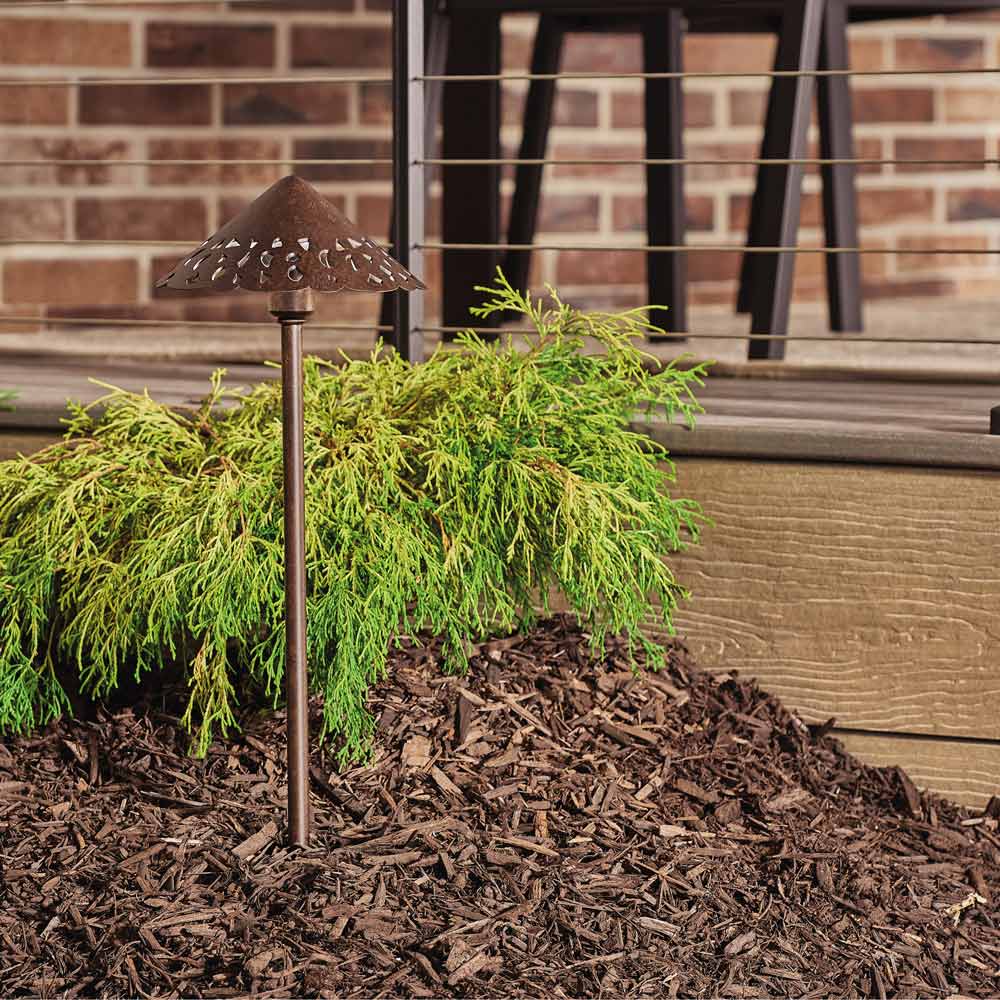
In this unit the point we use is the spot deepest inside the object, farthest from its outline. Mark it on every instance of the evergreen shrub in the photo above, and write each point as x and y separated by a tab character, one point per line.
451	497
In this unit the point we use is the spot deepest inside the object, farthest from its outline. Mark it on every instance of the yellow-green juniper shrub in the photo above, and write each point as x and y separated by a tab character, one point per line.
451	497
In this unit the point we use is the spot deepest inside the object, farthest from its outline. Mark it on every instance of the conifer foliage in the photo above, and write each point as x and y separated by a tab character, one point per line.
452	497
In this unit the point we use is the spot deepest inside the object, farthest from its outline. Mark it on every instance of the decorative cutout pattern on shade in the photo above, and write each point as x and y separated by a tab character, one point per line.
290	237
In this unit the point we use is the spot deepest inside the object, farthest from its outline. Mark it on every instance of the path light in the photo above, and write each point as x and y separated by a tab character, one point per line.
290	241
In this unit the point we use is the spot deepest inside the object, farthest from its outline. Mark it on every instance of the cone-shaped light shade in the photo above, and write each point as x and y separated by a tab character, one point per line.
291	237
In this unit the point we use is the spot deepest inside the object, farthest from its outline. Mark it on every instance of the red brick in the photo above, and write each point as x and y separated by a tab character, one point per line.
282	6
728	53
34	105
967	104
215	149
971	204
172	43
139	104
515	50
746	107
333	149
866	53
976	287
719	293
53	41
726	151
590	52
628	110
70	281
285	104
939	53
892	104
713	265
629	213
881	205
938	262
568	213
62	147
341	47
600	267
372	213
909	289
599	171
32	218
952	148
141	219
573	107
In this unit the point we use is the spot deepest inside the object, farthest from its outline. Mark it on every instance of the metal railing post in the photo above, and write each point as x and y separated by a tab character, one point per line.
409	187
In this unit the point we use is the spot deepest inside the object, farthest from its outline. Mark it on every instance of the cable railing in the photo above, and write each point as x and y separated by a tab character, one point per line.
418	159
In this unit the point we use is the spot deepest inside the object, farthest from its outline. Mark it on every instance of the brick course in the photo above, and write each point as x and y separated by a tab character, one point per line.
44	41
902	207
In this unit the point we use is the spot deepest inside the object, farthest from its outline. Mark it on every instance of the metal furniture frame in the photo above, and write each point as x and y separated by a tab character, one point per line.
463	38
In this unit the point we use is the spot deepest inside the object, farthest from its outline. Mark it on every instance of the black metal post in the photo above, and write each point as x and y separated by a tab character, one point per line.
413	101
836	142
292	309
470	196
773	273
662	45
538	106
408	190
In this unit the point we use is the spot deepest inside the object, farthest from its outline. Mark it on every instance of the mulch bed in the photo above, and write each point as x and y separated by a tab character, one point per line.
546	826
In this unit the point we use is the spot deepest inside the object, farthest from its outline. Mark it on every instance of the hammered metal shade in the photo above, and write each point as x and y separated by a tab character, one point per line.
290	238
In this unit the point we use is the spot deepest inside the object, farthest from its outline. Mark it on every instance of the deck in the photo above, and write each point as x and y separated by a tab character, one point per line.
852	565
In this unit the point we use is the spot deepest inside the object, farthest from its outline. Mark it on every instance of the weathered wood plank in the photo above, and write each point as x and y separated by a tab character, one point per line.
868	594
14	443
964	772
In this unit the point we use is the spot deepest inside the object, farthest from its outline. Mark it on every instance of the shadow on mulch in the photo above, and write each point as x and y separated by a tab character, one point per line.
546	826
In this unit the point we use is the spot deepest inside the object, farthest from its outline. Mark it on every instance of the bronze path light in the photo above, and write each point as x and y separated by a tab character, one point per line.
289	242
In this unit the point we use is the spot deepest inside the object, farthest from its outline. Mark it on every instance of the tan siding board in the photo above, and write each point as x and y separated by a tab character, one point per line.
869	594
964	772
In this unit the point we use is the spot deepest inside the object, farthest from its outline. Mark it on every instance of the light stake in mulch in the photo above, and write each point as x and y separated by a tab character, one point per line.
290	241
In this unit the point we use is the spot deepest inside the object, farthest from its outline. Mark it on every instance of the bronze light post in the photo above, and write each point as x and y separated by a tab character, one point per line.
290	241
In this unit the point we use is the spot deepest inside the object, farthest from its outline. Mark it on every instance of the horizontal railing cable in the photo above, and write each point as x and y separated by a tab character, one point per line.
123	4
156	81
700	248
118	321
229	324
835	338
762	74
344	161
690	161
557	247
173	81
347	161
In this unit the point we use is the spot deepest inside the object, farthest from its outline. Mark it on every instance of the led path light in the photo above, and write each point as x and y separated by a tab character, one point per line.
289	242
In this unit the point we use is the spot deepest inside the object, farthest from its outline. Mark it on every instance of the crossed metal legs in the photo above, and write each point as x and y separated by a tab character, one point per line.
812	36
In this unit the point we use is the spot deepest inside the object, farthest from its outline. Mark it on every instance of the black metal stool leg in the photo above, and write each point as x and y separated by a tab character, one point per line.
436	54
662	44
546	58
836	141
470	130
798	50
769	141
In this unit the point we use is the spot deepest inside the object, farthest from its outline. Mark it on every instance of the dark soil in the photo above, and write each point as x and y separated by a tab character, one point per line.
545	827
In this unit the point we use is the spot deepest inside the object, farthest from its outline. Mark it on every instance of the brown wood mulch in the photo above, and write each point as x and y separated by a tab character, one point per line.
546	826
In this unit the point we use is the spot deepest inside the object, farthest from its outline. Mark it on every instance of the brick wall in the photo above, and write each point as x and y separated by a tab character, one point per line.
901	207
